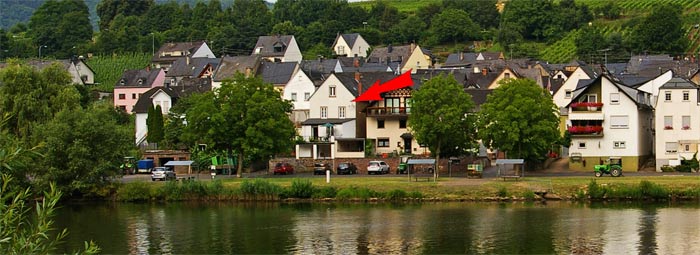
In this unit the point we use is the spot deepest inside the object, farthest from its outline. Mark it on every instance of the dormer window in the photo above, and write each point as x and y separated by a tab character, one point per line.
258	50
279	48
140	81
122	82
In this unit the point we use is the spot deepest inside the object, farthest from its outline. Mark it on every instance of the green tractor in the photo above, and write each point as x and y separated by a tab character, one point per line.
612	166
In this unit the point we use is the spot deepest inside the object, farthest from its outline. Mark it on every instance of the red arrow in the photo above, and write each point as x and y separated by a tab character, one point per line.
373	93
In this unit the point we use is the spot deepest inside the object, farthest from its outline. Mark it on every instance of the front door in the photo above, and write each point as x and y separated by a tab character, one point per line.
407	145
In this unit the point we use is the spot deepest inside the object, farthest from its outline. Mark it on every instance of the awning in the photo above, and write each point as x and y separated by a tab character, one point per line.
586	116
179	163
509	161
430	161
310	122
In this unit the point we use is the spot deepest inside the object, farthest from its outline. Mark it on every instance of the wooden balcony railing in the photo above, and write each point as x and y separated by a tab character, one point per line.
388	111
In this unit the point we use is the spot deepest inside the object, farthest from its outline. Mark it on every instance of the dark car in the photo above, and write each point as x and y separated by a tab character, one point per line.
284	168
321	168
346	168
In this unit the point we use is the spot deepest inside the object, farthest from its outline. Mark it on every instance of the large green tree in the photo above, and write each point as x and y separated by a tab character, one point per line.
61	26
82	149
244	116
661	31
441	117
107	10
28	96
452	26
520	118
155	124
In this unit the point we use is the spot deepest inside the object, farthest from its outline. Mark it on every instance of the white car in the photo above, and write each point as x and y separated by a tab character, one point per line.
377	167
163	174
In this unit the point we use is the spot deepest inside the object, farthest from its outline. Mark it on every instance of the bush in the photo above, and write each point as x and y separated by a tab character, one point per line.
596	191
325	192
529	195
301	189
396	194
415	195
682	168
502	192
135	191
355	193
653	190
260	189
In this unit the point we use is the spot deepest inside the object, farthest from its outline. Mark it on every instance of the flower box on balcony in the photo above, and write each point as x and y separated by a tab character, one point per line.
591	106
668	127
585	129
686	127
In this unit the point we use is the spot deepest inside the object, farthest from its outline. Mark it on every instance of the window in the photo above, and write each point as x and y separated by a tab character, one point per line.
122	96
614	98
619	144
506	76
668	96
172	81
133	95
686	96
402	123
567	93
294	97
341	112
122	82
591	98
306	96
140	81
582	145
122	107
558	76
341	50
687	147
331	91
380	123
686	122
383	142
324	112
392	104
668	122
671	147
408	101
619	121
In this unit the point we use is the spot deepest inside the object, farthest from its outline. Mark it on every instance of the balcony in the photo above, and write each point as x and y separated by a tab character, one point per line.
388	111
586	106
590	131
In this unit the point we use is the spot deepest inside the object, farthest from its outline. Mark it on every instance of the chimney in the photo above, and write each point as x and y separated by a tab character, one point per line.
148	68
356	62
484	71
413	46
358	76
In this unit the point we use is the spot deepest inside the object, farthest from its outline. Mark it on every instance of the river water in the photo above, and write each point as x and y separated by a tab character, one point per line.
427	228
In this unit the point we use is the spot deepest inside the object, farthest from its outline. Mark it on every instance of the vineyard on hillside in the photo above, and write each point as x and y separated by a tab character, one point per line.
562	51
108	69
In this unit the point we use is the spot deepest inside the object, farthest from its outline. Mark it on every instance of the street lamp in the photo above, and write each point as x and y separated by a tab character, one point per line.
42	46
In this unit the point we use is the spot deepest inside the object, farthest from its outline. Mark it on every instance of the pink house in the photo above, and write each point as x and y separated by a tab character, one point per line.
133	83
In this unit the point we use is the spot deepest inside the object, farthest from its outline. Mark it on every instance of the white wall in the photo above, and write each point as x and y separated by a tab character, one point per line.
652	87
677	108
299	84
203	52
321	98
141	128
559	97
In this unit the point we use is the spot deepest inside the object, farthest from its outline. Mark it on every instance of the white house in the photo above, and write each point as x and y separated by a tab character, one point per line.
677	122
652	86
609	119
278	48
332	128
298	90
350	45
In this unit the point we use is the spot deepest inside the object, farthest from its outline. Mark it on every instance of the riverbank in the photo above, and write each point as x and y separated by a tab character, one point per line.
401	189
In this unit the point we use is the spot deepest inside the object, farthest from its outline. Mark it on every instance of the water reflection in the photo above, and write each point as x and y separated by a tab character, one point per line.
554	228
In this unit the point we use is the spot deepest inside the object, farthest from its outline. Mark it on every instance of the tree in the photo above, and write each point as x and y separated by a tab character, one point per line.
82	148
22	233
589	40
154	123
454	25
28	96
107	10
61	26
533	15
520	118
661	31
244	116
409	30
441	117
252	19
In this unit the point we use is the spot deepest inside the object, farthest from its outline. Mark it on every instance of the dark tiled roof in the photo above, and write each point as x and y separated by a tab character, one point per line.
131	78
679	83
582	83
367	80
185	87
230	65
555	85
479	80
423	75
190	47
267	44
180	68
479	96
277	72
350	39
392	53
460	59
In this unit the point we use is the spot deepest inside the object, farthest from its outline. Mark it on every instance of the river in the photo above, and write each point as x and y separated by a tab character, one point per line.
427	228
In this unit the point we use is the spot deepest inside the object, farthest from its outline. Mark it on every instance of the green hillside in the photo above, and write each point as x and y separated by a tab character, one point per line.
108	69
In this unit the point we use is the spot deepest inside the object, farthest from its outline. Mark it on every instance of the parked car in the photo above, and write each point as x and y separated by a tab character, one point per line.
346	168
163	174
284	168
320	168
377	167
